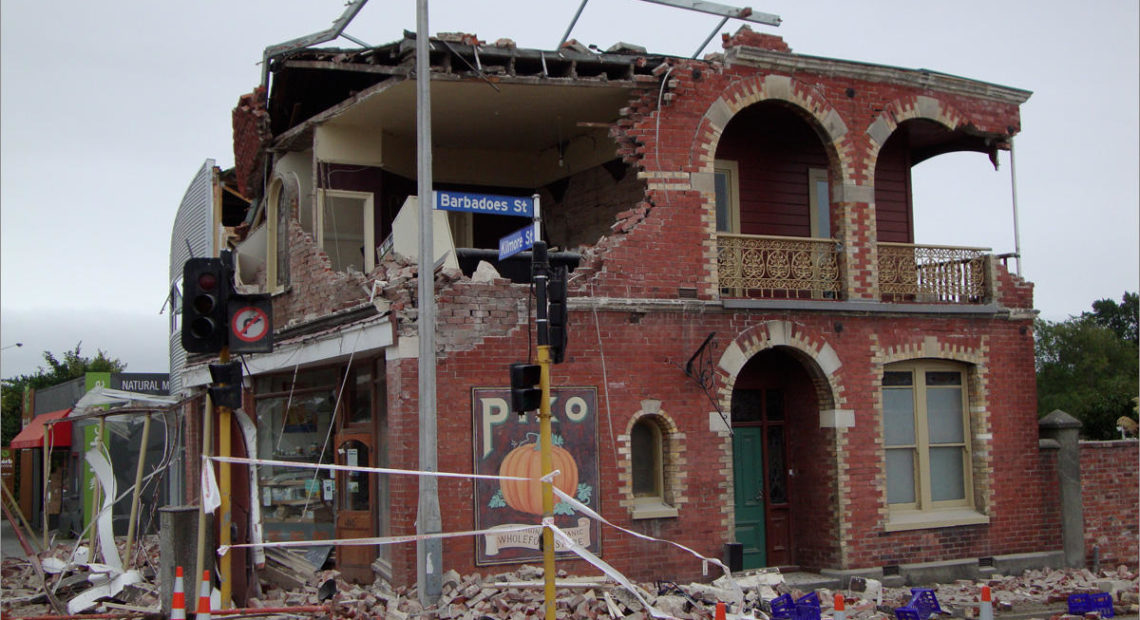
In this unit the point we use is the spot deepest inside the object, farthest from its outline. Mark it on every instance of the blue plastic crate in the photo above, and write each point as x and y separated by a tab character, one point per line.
907	613
783	607
811	598
1079	604
924	601
1101	602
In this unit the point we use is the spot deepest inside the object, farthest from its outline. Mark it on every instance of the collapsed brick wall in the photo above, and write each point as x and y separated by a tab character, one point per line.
1110	491
252	135
315	288
590	204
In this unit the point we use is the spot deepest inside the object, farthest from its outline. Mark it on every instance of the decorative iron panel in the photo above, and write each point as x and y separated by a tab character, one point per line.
932	273
778	267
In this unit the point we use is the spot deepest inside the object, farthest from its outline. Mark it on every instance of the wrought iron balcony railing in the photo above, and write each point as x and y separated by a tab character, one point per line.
778	267
932	273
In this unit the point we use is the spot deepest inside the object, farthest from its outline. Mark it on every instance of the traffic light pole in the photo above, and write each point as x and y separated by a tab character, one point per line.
225	415
547	487
540	268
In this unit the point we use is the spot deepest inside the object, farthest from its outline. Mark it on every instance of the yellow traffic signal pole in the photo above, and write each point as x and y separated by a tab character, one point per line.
540	270
207	447
225	488
547	487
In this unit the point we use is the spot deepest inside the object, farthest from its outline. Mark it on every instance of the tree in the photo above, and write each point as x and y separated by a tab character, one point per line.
1121	318
73	365
1088	366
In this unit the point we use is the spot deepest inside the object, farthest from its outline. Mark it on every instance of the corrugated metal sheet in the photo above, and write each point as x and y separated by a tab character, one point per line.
191	236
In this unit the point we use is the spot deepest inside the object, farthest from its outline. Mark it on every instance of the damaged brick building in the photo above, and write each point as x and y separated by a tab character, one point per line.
761	352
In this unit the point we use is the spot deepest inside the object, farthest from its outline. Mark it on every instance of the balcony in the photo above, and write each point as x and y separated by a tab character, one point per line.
932	273
771	267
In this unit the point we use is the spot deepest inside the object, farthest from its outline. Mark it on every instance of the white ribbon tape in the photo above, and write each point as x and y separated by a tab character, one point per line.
381	540
610	571
375	470
584	509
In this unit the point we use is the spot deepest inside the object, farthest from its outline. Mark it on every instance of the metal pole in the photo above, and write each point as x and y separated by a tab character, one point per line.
96	493
225	487
132	527
540	270
1013	189
709	38
207	440
47	478
566	35
548	571
429	553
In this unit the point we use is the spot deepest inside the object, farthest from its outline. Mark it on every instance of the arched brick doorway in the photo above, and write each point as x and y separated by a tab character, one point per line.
776	460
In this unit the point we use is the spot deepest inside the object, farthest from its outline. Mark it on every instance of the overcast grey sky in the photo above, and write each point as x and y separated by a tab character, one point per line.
108	108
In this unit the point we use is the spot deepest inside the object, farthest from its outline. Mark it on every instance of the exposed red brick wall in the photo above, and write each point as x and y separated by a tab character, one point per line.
1010	290
251	136
643	354
591	203
1110	490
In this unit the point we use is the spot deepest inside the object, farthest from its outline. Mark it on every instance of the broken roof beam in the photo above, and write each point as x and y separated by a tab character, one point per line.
329	34
715	8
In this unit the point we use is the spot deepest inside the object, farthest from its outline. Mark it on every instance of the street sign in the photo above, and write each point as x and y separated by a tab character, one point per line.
520	206
521	239
250	324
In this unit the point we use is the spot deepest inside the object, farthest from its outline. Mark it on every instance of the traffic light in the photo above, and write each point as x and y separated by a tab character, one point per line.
557	313
226	388
205	288
526	395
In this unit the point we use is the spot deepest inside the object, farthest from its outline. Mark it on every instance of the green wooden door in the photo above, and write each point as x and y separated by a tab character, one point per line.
748	467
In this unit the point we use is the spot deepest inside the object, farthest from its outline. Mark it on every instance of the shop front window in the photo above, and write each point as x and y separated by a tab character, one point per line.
294	417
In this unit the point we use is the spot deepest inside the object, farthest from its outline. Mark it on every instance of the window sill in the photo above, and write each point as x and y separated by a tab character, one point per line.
920	520
653	510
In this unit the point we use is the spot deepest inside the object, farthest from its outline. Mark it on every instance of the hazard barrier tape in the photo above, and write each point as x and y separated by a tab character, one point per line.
547	522
601	564
374	470
380	540
579	506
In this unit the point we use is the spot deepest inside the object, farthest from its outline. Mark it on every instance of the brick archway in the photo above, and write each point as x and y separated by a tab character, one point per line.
899	111
818	358
806	100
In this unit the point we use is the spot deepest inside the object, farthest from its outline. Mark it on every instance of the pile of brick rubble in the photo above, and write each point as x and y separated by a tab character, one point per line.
519	595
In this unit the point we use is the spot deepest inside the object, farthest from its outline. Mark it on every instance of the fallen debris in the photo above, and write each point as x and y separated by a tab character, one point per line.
519	594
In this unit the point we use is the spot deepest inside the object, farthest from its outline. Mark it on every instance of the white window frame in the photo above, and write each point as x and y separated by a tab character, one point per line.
816	176
731	171
272	223
925	512
369	241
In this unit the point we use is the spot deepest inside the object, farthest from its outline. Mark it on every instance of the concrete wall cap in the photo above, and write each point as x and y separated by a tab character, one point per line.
1058	419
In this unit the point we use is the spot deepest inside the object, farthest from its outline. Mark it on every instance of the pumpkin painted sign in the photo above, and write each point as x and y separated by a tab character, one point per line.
506	446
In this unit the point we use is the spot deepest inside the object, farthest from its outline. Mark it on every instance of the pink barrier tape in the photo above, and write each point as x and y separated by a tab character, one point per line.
375	470
610	571
382	540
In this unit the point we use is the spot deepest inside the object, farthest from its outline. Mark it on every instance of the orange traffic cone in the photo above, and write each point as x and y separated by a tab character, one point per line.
987	610
203	610
720	611
178	601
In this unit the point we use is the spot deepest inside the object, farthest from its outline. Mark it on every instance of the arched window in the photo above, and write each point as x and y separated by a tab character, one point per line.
652	470
645	454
